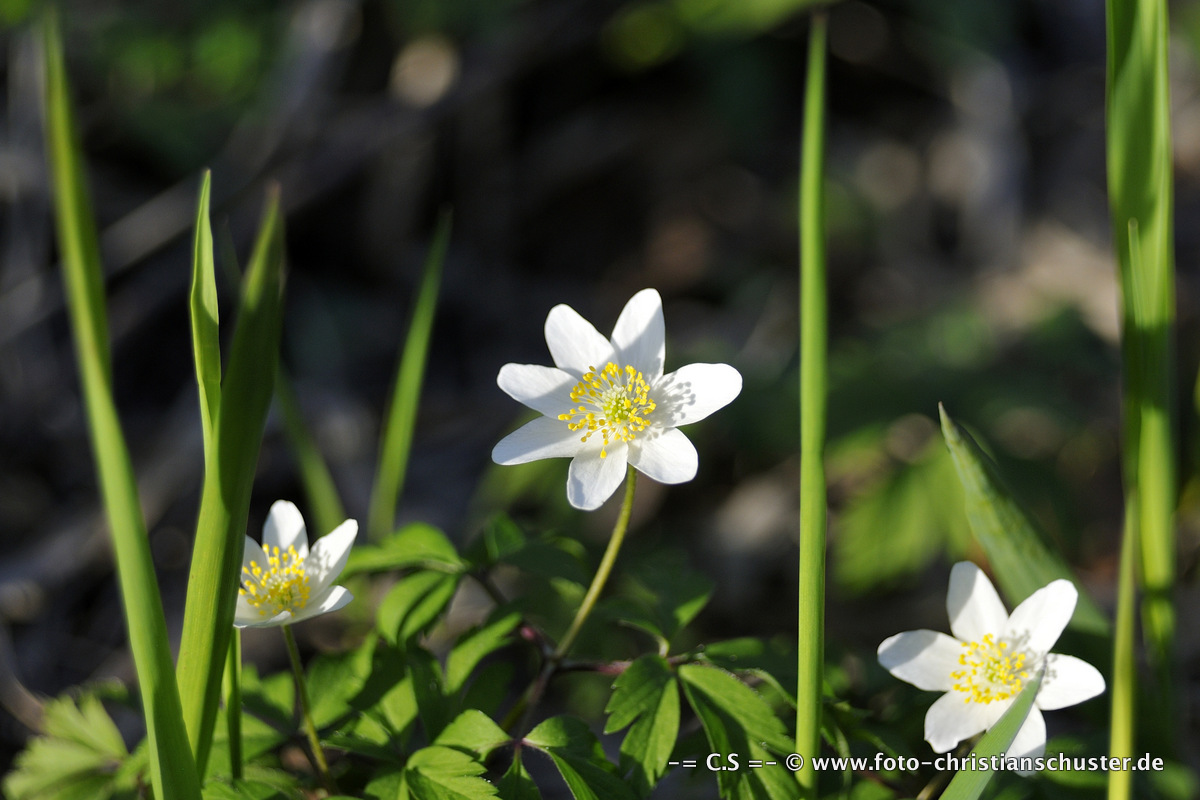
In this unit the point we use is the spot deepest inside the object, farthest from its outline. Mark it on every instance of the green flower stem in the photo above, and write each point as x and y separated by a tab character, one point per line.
602	573
813	400
524	707
233	704
306	712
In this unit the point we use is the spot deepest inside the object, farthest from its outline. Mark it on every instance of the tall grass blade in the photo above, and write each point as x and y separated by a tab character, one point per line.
402	409
1019	555
813	390
1140	197
1124	671
232	689
205	317
323	498
968	784
172	771
225	500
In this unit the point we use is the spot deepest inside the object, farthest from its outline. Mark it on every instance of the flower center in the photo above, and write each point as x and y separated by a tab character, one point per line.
990	672
613	401
282	586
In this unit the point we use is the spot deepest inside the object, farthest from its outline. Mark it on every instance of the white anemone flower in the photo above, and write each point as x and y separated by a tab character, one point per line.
606	402
986	663
283	581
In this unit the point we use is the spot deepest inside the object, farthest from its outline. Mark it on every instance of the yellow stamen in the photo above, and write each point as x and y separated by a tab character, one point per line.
281	586
611	401
990	672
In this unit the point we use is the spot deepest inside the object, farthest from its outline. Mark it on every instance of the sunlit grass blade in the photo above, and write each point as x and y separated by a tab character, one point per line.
402	409
205	317
323	499
1018	554
1140	197
1124	669
969	784
172	771
225	500
813	390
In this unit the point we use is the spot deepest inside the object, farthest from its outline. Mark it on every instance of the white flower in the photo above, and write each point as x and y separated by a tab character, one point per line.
984	666
606	402
283	582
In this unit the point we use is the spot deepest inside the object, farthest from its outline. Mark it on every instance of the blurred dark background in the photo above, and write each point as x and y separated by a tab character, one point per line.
588	149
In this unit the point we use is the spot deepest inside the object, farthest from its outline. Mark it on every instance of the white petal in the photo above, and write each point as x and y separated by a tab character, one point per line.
667	456
923	658
252	555
974	607
540	438
691	393
575	345
247	616
284	528
334	598
1036	624
950	720
1030	741
640	334
328	556
544	389
591	479
1068	681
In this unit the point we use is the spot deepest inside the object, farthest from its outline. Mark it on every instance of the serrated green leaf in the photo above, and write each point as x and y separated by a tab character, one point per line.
418	544
772	661
272	698
440	773
500	537
580	759
474	646
552	558
475	732
646	696
1018	554
737	720
414	604
334	680
246	790
516	783
396	439
969	784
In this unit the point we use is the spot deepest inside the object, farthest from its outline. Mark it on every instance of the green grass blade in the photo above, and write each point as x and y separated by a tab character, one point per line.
1124	673
202	302
1019	555
172	770
232	689
813	391
969	784
225	500
1140	197
402	410
323	498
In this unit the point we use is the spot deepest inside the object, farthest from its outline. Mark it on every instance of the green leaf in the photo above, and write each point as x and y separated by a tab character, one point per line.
402	410
1018	554
334	680
773	661
476	645
80	751
663	595
475	732
416	545
173	771
440	773
229	474
414	604
579	758
737	720
969	784
516	783
246	789
501	537
646	696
